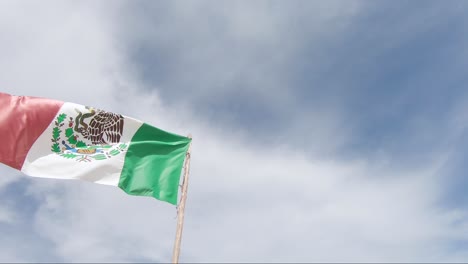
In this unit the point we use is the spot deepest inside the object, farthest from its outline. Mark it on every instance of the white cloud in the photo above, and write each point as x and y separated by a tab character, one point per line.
7	176
246	202
60	50
7	215
277	205
237	54
254	205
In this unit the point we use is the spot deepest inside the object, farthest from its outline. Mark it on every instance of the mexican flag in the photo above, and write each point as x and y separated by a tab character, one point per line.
53	139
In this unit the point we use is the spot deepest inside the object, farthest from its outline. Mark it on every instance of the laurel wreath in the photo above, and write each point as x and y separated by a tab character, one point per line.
73	140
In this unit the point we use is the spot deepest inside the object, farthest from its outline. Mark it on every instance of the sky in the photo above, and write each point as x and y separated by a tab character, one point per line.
323	131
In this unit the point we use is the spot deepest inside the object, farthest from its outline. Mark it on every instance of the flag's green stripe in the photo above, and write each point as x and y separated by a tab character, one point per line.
153	164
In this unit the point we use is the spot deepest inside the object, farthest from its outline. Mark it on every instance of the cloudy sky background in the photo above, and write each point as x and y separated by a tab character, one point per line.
323	130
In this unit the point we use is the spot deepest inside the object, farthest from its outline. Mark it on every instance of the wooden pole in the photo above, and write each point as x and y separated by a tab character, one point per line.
181	207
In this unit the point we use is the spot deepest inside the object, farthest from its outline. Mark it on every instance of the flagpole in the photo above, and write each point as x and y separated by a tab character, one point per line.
181	207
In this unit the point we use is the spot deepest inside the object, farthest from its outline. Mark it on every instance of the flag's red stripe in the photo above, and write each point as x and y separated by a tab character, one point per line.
22	121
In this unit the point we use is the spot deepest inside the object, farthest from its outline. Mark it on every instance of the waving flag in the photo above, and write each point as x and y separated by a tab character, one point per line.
53	139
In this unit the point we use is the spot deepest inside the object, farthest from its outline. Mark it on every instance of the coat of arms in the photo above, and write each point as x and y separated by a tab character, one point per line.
91	135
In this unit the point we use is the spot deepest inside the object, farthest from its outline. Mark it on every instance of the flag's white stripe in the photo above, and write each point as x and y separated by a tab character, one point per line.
42	162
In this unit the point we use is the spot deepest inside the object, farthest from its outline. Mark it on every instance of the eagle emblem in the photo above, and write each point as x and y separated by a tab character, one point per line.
92	134
103	127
